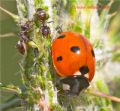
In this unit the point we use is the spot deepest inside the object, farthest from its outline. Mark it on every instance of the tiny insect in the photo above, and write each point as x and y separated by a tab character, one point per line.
45	30
41	14
21	46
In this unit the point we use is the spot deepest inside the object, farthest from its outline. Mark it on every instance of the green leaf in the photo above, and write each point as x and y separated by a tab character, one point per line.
11	103
11	88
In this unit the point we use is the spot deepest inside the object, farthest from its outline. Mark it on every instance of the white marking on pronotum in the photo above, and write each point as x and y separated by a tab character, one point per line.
66	87
78	73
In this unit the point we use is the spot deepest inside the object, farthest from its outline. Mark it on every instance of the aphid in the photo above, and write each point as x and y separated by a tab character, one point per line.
26	27
24	36
21	46
45	30
41	14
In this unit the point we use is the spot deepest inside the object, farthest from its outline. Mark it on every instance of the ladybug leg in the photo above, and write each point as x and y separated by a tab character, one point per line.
74	85
59	29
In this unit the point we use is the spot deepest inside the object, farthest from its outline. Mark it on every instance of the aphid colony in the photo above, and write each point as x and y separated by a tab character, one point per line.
25	28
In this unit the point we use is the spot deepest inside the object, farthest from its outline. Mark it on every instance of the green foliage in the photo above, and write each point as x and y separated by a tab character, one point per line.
102	87
11	88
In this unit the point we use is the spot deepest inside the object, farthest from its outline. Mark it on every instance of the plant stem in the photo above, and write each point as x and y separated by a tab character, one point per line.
101	94
11	34
19	11
15	17
31	9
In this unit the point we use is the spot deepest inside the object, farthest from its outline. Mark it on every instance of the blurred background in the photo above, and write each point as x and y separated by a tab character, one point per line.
9	56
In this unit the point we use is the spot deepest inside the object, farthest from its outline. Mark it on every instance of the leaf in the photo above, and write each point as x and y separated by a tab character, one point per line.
11	88
11	103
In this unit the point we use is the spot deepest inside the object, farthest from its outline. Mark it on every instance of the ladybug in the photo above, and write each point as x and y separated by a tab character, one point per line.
74	61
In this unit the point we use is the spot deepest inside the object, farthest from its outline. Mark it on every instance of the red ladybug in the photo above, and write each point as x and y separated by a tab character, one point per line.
73	57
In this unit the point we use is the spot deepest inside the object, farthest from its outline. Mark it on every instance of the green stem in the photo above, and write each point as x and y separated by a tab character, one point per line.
15	17
12	103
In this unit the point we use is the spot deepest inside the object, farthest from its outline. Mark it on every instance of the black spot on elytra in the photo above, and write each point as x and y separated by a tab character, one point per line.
59	58
75	49
84	70
93	54
61	36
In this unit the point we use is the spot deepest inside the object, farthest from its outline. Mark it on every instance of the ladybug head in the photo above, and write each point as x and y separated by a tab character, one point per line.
73	85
